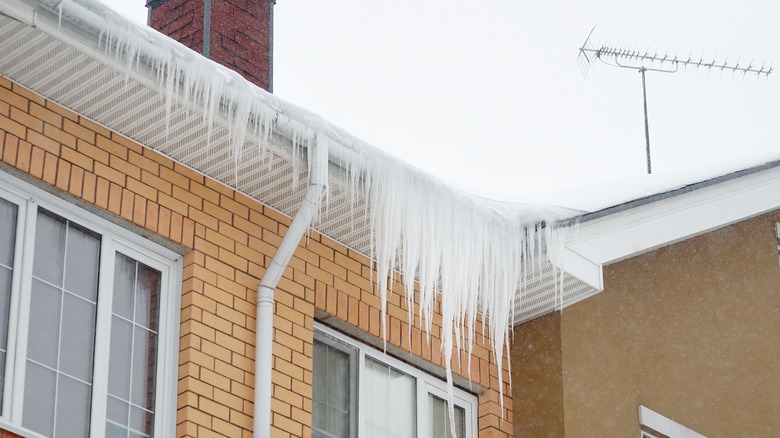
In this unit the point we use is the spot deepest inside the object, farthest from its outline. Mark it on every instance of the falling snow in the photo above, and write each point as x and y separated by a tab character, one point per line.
473	253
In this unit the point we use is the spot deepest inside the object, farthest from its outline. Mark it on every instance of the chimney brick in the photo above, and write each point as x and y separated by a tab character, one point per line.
235	33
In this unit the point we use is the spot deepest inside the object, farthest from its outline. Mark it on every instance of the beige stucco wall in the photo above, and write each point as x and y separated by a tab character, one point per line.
691	330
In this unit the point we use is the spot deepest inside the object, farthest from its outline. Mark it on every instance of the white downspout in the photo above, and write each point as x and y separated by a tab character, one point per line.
318	184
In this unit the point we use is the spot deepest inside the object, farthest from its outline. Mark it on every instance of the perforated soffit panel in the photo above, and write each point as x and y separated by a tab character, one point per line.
95	86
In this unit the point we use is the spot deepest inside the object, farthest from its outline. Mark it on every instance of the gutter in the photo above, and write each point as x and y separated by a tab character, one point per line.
318	177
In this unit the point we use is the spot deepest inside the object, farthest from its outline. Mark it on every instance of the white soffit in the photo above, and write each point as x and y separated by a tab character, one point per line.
63	64
624	234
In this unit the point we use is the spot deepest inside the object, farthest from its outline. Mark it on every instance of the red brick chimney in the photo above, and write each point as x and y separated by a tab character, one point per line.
235	33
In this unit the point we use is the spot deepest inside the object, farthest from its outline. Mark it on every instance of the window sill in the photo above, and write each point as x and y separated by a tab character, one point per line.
24	433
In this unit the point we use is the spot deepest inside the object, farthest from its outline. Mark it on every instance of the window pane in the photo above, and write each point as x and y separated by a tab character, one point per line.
124	286
81	268
49	263
61	329
7	232
120	358
331	391
78	337
39	384
390	401
440	418
133	354
7	246
72	408
146	297
142	375
44	329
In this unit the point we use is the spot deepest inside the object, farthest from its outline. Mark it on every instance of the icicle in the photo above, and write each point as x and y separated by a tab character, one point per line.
470	254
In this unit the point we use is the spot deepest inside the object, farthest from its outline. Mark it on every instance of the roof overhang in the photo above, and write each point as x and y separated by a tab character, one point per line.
68	63
640	226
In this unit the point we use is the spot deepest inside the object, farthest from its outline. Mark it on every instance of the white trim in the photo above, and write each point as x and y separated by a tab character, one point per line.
13	304
661	424
634	231
10	427
425	384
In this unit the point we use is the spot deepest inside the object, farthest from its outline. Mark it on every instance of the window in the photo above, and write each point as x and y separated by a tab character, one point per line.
86	308
654	425
359	391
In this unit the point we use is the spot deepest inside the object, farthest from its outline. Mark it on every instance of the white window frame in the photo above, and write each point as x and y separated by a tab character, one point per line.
664	425
425	384
114	238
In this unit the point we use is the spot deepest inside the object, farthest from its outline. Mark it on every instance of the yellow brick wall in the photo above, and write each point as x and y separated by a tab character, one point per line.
230	239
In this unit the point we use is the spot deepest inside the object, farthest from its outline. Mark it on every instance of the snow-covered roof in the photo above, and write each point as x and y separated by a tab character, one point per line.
483	255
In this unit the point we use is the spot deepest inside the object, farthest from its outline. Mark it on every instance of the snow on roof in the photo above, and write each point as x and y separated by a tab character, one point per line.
477	252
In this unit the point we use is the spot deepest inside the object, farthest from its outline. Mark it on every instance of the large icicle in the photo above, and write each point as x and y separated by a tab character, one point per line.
471	254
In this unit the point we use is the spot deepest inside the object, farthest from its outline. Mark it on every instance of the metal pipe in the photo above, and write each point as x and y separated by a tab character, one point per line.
265	292
647	124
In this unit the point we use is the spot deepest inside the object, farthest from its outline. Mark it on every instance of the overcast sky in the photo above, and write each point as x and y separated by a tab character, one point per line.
488	96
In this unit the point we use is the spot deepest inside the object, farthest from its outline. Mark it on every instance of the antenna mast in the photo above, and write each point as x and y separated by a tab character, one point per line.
644	61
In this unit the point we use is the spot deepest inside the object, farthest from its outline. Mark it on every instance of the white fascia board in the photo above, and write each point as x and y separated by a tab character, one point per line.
581	267
637	230
19	11
659	423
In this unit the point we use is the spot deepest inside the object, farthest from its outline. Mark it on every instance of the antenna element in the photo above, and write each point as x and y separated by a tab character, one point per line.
644	61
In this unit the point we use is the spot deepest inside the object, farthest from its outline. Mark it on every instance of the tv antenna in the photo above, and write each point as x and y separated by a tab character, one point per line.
663	62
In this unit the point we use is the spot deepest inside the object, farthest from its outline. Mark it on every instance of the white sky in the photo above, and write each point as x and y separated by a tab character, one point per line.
488	96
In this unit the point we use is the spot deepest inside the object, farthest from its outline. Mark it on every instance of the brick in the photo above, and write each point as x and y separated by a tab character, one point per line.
175	178
195	416
164	222
94	127
14	99
158	183
12	127
234	207
188	232
61	111
162	160
231	343
24	118
110	174
112	147
50	117
204	192
126	142
79	131
226	427
128	204
233	233
215	380
23	156
63	175
27	94
91	151
76	181
77	158
50	168
123	166
10	148
152	216
287	425
89	187
176	227
217	212
142	189
228	399
143	163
